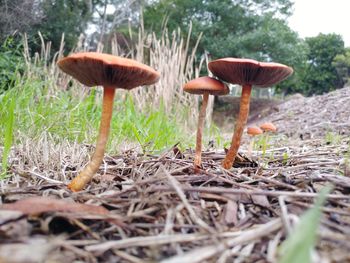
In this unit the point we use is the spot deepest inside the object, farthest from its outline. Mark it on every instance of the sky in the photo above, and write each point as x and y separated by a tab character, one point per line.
311	17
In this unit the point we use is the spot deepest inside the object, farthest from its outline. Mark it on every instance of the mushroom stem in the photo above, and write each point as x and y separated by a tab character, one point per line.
79	182
240	123
201	119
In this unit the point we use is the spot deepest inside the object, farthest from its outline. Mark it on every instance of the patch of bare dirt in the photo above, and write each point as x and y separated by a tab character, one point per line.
297	116
315	116
227	108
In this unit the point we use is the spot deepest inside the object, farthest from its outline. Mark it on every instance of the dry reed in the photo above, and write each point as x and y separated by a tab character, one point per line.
170	55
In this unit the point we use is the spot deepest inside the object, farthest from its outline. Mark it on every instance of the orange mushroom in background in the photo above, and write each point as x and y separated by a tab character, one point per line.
247	73
203	86
111	72
252	131
267	127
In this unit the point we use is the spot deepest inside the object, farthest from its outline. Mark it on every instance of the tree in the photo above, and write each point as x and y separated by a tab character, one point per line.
223	22
112	18
235	28
17	16
342	64
51	17
68	17
320	75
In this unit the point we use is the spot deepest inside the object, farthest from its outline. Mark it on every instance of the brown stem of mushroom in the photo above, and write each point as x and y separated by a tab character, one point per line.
240	123
85	176
201	119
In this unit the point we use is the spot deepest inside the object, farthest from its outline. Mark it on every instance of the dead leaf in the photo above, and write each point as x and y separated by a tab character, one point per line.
260	200
177	152
230	213
39	205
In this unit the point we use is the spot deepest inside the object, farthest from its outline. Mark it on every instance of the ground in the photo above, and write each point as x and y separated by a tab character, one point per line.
146	208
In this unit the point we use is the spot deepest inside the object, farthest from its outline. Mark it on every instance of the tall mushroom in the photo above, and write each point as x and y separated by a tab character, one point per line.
246	72
111	72
203	86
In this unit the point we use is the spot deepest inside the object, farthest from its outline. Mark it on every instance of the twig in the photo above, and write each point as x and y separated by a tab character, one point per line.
284	214
46	178
219	190
177	187
155	240
206	252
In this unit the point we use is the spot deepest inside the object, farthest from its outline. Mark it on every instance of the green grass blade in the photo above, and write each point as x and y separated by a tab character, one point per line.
297	247
8	136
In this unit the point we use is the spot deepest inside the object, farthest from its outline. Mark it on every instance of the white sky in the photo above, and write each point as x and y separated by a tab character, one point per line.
311	17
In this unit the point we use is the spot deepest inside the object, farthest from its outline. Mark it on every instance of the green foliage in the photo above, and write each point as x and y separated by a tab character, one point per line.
297	247
11	62
333	138
320	75
9	102
342	64
153	131
68	17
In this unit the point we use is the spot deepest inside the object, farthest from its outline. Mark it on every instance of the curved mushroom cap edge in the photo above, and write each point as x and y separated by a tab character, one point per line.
95	69
206	84
249	72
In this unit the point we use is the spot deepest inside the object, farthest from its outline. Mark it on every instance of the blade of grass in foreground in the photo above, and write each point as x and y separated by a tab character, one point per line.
297	247
8	136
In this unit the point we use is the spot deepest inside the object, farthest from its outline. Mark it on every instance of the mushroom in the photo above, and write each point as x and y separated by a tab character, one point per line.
111	72
268	126
204	86
253	131
246	72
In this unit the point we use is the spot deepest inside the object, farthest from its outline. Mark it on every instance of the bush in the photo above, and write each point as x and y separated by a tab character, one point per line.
11	62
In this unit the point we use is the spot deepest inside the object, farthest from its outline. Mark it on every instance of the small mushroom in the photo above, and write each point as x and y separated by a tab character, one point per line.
203	86
253	131
268	127
111	72
246	72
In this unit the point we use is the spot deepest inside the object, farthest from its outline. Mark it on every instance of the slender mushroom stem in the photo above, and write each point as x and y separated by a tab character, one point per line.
89	171
240	123
201	119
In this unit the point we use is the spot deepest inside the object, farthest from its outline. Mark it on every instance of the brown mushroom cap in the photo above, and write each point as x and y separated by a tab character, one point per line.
249	71
268	126
254	130
95	69
206	84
